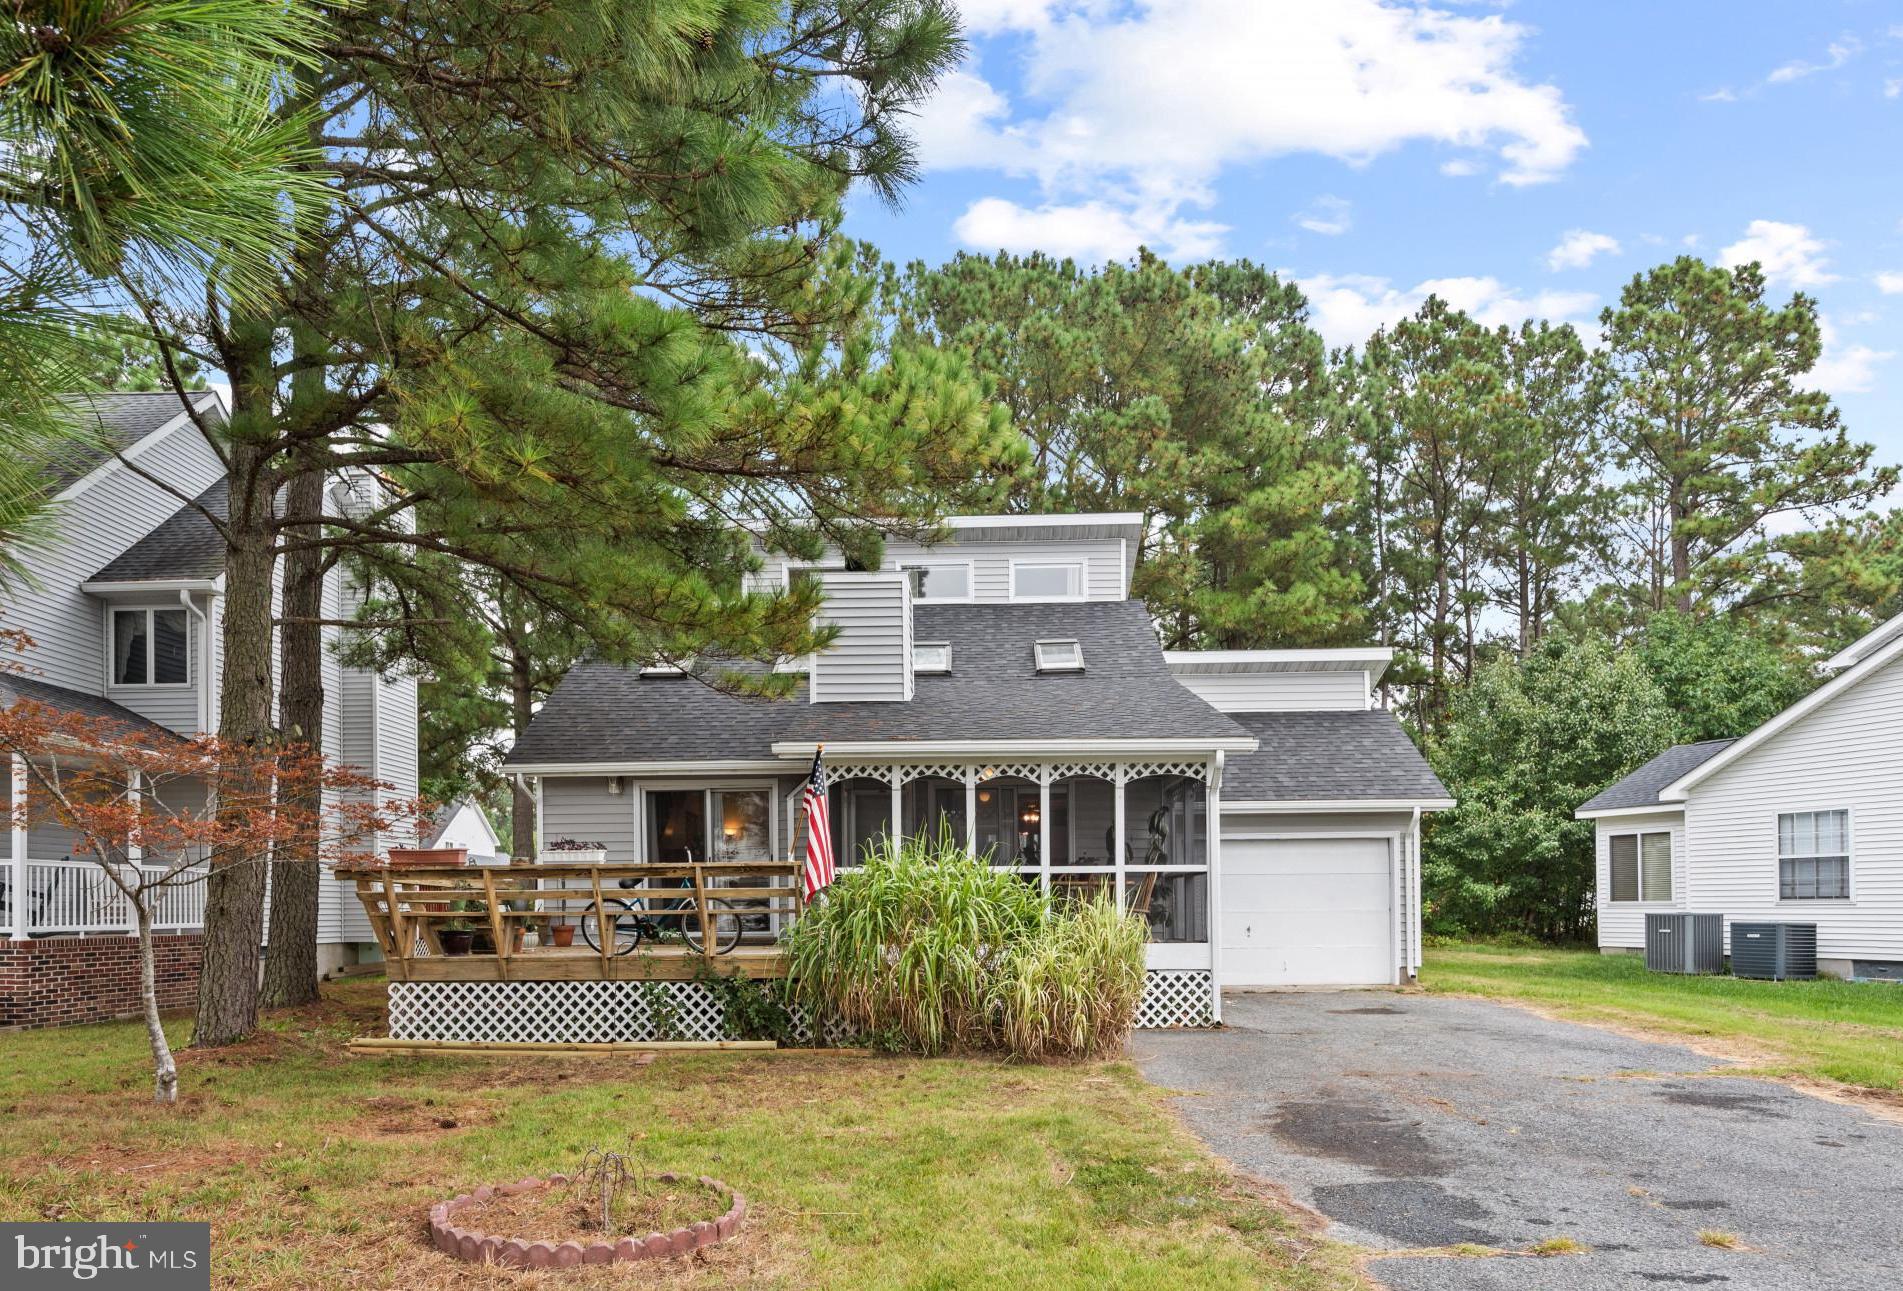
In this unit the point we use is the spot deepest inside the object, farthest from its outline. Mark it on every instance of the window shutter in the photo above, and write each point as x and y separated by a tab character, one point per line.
1625	867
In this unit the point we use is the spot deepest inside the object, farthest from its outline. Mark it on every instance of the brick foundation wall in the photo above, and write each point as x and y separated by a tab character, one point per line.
58	981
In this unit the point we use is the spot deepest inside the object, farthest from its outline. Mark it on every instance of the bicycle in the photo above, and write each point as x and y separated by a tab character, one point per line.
632	922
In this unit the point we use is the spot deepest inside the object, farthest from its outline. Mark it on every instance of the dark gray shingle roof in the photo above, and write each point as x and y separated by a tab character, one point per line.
1641	788
1326	756
112	423
15	686
607	713
186	545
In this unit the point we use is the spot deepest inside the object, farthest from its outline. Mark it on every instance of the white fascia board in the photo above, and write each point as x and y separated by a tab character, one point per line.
1663	809
1296	805
1372	660
1133	519
135	586
1863	645
1011	748
141	444
703	767
1680	788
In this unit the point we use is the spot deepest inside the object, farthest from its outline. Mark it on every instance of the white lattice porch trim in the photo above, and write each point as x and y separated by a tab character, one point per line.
969	771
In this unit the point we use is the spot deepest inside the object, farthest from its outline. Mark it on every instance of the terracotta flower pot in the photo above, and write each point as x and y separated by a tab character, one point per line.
564	934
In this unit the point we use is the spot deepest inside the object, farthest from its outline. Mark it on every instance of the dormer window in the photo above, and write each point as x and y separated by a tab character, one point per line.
950	582
149	648
1059	656
1047	581
664	668
931	656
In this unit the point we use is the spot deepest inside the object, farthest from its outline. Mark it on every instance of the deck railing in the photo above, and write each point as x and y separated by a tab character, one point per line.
75	898
410	908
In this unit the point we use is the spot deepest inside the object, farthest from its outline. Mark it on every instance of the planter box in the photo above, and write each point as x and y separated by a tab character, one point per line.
580	856
403	858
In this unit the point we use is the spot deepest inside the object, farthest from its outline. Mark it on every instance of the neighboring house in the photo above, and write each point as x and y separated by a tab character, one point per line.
126	614
1001	685
463	823
1799	821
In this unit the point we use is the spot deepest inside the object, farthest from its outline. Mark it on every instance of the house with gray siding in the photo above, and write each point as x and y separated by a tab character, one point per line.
126	614
1798	821
1001	686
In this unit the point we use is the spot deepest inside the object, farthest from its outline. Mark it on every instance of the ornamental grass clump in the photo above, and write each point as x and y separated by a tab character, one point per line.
930	949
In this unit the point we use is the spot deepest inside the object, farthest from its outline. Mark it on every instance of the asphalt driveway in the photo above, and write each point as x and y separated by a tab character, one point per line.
1414	1121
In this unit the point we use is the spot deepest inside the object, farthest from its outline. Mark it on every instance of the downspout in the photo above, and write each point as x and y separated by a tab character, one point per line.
1414	932
204	660
1215	888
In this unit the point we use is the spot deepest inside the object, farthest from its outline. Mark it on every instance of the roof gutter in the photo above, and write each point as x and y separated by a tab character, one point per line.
153	585
1598	813
1338	804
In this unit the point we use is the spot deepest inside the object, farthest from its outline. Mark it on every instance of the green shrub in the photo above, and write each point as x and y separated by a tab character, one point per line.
932	949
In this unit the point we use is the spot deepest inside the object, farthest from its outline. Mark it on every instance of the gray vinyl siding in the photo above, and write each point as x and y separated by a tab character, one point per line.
112	509
581	808
1279	692
1848	755
871	658
1622	923
1106	572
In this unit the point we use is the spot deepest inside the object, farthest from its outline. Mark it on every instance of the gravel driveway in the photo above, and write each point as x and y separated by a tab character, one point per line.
1415	1121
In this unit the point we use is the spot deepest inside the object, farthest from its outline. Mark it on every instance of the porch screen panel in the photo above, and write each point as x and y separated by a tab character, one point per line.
1008	821
1165	821
1175	904
1092	823
861	814
934	805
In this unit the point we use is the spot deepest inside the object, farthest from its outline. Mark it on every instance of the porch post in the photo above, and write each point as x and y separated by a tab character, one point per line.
1116	798
1044	829
898	821
1213	855
971	811
21	925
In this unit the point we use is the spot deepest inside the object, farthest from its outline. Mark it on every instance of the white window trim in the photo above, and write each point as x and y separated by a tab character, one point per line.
1850	861
1037	655
971	581
707	789
112	627
1077	565
1671	867
917	667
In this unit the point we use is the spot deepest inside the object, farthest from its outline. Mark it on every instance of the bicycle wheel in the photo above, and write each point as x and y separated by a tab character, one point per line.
624	925
723	920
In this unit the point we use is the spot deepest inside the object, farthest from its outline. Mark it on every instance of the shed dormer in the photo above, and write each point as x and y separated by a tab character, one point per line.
870	660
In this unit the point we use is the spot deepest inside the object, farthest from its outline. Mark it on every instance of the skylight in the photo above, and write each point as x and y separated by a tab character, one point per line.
931	656
1059	656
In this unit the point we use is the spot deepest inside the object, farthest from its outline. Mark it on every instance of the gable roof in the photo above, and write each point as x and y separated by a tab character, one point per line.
185	546
441	818
113	422
1335	756
1641	788
608	714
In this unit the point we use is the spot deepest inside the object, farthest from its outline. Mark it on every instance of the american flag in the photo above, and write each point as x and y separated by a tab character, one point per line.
819	829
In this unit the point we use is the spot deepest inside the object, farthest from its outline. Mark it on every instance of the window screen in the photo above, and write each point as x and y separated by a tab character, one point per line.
131	647
168	648
1813	855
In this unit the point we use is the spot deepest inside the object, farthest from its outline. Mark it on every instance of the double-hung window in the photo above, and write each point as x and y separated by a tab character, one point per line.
1813	855
1641	866
150	648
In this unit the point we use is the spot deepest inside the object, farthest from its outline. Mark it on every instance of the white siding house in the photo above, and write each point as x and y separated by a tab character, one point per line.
1798	821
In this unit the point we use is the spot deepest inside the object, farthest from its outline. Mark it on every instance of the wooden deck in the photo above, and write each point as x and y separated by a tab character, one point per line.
411	909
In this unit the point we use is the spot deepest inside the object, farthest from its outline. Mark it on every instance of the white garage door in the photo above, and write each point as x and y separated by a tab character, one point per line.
1307	912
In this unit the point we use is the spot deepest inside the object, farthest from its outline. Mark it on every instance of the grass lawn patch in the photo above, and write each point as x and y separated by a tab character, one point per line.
317	1168
1848	1033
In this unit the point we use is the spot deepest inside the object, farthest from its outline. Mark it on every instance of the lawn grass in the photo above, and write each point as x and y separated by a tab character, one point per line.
1847	1032
316	1168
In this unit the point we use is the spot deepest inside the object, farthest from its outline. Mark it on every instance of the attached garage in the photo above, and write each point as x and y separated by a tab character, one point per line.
1309	912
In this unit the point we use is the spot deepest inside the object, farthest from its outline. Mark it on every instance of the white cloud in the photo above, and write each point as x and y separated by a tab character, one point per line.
1846	367
1837	53
1580	247
1890	283
1327	215
1087	231
1893	87
1347	308
1142	105
1789	253
1460	167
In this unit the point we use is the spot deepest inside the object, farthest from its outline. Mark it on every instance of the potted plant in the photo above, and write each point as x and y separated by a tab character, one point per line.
413	858
569	851
456	936
563	933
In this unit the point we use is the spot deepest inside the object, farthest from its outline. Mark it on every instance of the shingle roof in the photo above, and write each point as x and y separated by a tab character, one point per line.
1328	756
607	713
14	687
186	545
1641	788
112	423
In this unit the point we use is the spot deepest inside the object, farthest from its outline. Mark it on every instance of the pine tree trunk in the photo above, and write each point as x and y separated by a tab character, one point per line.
521	709
290	965
234	890
164	1066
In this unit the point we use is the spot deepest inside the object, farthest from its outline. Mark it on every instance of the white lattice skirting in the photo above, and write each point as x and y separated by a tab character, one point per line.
604	1012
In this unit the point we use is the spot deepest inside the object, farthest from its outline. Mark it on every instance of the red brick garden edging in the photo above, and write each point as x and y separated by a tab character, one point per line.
523	1253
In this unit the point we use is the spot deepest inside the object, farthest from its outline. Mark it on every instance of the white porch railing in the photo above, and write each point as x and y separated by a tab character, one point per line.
76	898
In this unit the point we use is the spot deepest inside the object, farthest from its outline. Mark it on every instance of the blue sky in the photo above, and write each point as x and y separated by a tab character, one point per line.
1523	159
